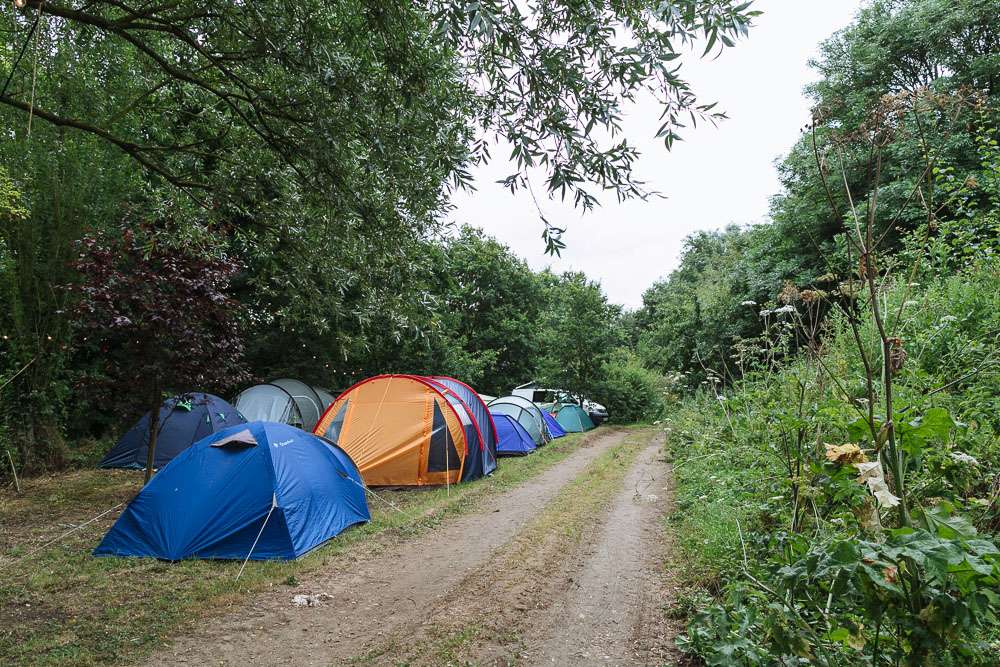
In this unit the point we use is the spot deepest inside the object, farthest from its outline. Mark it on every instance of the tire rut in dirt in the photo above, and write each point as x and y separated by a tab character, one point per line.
613	610
559	566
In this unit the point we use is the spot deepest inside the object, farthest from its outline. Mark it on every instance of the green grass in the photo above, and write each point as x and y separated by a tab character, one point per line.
715	484
61	606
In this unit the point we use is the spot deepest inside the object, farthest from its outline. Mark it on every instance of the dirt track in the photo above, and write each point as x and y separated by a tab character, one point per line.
597	603
613	612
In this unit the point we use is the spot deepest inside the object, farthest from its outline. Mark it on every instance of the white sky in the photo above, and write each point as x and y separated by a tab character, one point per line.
715	177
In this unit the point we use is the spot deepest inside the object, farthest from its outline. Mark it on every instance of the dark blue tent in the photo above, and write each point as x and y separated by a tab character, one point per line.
512	439
183	420
555	430
263	490
487	462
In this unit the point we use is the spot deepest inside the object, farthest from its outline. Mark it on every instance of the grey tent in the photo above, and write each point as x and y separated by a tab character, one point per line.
526	413
309	402
269	403
326	397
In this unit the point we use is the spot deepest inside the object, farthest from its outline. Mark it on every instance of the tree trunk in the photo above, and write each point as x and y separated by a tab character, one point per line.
154	428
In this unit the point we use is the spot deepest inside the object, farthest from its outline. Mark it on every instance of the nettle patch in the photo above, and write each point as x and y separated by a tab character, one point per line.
863	398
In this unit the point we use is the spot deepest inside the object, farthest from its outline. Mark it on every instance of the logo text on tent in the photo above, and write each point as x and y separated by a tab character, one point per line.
283	444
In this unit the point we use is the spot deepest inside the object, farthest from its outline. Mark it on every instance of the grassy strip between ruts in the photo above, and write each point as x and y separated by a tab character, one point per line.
61	606
522	572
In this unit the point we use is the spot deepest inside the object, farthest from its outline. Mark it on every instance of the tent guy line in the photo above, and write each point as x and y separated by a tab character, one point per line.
274	503
380	498
60	537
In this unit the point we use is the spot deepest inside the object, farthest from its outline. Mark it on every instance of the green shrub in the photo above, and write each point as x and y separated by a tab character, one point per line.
630	392
806	566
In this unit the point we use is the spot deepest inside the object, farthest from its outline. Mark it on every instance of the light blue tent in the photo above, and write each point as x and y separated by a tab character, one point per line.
526	413
260	490
512	439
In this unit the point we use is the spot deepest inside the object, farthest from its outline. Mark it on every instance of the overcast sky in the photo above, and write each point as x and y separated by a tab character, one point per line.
715	177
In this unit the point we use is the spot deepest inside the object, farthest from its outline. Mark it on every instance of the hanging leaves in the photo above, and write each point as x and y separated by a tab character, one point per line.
871	475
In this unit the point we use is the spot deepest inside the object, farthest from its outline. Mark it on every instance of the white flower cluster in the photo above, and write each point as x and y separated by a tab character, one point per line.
962	457
778	311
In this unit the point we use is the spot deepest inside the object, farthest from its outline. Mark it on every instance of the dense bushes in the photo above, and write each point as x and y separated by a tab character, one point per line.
811	562
837	466
630	391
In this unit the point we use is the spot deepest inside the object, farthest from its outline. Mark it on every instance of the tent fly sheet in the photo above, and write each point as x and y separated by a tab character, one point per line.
573	418
269	403
401	430
326	397
513	439
524	412
260	490
555	430
484	462
183	420
307	399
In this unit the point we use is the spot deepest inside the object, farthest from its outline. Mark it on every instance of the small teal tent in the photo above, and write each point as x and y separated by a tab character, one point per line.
555	430
512	439
260	490
573	418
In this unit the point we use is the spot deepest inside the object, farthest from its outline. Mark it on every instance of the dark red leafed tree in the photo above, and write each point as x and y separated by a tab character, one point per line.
158	317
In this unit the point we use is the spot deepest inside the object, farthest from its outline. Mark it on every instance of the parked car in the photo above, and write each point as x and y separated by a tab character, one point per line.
530	390
598	413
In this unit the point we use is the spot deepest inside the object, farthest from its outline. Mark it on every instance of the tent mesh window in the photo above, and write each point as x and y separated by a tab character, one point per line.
443	456
333	431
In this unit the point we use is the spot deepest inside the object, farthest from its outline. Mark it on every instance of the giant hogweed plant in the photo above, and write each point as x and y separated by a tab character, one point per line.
876	565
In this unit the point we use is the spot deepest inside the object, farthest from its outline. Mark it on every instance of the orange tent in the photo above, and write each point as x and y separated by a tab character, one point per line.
400	430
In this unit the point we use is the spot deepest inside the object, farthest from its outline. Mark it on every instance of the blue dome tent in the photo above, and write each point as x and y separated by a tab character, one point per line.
512	439
260	490
555	430
184	420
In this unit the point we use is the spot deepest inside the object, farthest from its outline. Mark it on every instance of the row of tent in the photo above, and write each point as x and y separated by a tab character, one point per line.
231	486
187	419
